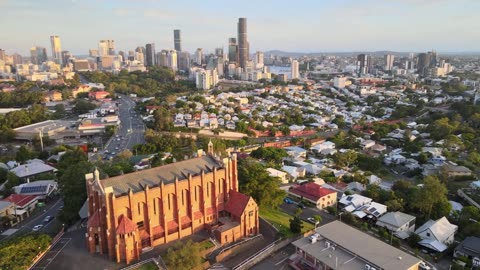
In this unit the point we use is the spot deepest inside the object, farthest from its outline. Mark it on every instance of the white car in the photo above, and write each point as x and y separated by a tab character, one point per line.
424	266
311	220
37	228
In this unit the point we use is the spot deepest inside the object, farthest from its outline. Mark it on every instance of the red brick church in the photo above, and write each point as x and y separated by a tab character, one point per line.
152	207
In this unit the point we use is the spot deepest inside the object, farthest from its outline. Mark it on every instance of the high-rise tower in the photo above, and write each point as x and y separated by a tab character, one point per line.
56	49
150	54
177	40
243	50
232	50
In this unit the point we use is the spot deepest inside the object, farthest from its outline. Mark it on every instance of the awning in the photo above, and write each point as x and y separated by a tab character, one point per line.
359	214
402	235
433	245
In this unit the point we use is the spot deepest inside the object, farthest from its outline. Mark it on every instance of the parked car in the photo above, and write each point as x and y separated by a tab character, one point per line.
37	228
424	266
312	220
301	205
288	200
47	219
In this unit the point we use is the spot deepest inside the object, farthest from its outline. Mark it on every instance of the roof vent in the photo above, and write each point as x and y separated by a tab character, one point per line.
399	258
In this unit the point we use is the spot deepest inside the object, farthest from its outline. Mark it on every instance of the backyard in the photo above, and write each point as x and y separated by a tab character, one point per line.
281	221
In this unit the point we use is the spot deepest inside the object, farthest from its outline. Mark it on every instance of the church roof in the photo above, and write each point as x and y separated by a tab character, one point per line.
94	220
136	181
237	203
125	225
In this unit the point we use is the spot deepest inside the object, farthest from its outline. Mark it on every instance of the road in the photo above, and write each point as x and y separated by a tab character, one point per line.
27	225
129	133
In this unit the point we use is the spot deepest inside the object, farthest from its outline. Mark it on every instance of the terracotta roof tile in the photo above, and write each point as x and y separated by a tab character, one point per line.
236	203
185	220
158	230
125	225
197	215
94	220
144	235
311	191
172	224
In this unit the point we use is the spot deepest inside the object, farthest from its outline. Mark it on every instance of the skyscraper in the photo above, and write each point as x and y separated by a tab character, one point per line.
66	56
38	55
183	60
150	54
295	70
423	63
232	50
199	56
388	58
177	39
219	52
259	56
243	50
172	60
56	49
106	47
364	64
2	55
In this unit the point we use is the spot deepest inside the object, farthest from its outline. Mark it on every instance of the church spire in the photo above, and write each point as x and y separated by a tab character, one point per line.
210	147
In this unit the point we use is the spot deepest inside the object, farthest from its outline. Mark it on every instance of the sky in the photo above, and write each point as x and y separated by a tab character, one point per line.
295	26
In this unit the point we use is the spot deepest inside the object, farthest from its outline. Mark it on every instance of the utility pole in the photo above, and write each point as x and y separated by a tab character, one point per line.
41	138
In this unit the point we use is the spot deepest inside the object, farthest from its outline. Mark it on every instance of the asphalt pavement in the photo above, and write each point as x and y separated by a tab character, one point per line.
27	224
129	133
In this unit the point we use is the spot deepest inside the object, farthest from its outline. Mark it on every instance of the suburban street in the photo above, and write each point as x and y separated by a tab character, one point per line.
129	132
51	209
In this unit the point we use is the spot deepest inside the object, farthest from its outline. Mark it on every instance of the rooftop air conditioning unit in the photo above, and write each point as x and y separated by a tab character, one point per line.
367	267
327	244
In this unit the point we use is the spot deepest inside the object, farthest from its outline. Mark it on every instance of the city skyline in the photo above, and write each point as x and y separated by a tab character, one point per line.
319	27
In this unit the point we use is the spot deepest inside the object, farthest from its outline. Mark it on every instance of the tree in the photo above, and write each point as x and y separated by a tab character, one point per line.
19	252
345	159
83	106
255	181
23	154
433	193
269	154
163	119
296	225
184	256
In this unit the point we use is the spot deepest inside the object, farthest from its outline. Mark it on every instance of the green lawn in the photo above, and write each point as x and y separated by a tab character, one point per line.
281	221
148	266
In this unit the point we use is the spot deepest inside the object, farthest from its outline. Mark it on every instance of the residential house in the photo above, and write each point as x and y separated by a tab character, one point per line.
400	224
366	144
24	204
454	170
30	170
276	173
296	152
7	211
372	210
53	96
469	248
98	95
314	193
437	235
294	172
42	188
351	202
323	146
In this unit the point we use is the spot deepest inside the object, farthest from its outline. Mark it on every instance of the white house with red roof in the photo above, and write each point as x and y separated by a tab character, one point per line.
24	204
314	193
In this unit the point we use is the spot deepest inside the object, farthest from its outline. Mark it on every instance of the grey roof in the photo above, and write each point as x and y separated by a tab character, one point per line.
30	169
5	204
362	248
153	177
470	246
396	219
